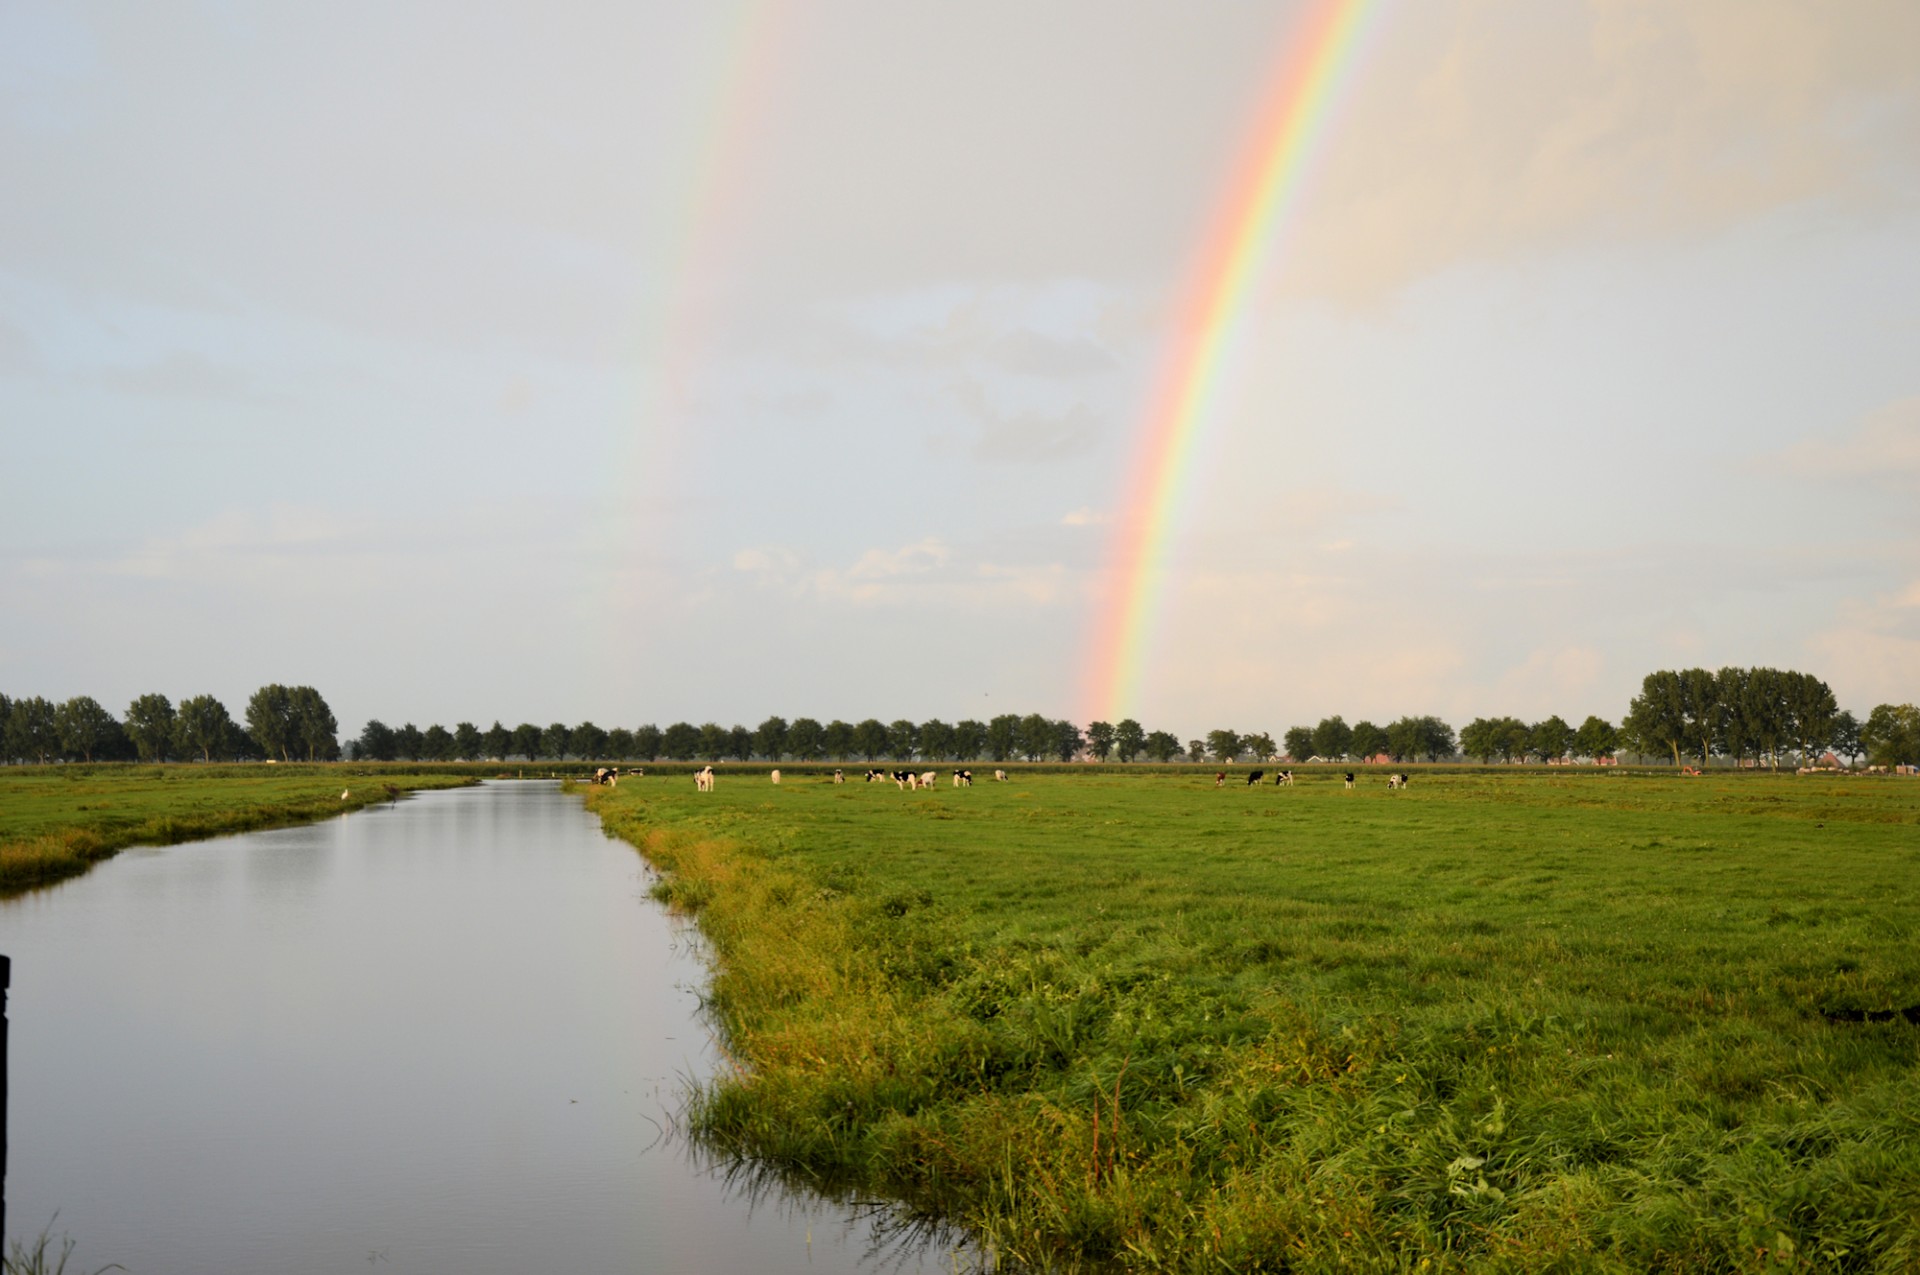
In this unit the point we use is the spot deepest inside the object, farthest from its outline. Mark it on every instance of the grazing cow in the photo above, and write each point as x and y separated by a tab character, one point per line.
1255	776
1396	781
904	779
1283	778
606	775
1349	779
839	777
963	779
929	778
775	777
1220	779
703	779
999	776
873	775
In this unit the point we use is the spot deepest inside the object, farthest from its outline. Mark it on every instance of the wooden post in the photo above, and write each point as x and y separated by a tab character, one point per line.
6	976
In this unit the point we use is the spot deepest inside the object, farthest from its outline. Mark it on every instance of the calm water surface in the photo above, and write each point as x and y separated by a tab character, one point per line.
442	1036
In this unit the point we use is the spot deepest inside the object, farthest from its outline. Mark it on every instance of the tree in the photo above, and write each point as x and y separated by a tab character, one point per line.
870	738
1596	738
837	739
1299	742
82	726
1551	739
376	742
1701	709
1261	746
437	743
1846	735
1480	738
1161	746
903	740
1129	740
466	742
203	725
1223	745
936	740
150	724
620	744
1512	737
1369	741
770	739
587	742
1100	740
311	728
1891	736
555	740
1811	710
969	740
681	741
497	741
526	741
1332	738
647	742
715	739
740	743
807	738
1196	750
1068	742
1656	720
1003	736
270	720
410	742
1037	736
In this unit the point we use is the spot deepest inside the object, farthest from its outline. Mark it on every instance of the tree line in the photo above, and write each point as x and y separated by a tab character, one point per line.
283	723
1741	715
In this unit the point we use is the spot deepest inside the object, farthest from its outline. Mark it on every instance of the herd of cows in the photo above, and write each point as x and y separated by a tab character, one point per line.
915	780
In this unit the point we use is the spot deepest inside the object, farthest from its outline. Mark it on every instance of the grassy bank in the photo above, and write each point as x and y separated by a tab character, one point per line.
56	821
1499	1021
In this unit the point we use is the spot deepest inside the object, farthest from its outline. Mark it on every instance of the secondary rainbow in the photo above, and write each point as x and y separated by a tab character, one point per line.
1252	220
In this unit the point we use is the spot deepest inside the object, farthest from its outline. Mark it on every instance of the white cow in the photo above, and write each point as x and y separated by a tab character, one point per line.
703	779
839	777
929	778
1396	781
776	777
999	776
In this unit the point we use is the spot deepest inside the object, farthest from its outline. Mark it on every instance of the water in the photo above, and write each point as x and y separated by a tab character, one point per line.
449	1035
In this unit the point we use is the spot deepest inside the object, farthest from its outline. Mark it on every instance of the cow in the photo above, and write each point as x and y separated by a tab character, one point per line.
963	779
929	778
776	778
1349	779
875	775
1255	776
1220	779
905	779
606	775
703	779
1283	778
839	777
999	776
1396	781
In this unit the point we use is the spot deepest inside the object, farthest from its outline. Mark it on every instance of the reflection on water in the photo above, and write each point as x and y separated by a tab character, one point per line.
446	1035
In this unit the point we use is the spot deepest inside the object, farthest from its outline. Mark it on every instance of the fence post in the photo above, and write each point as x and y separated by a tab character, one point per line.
6	976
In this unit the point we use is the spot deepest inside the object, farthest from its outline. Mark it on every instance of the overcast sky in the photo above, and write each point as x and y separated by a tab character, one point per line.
639	361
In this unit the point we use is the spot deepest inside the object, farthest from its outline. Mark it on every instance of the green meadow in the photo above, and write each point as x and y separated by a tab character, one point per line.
57	821
1503	1020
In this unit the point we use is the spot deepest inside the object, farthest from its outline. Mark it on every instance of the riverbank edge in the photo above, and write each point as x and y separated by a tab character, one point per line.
31	863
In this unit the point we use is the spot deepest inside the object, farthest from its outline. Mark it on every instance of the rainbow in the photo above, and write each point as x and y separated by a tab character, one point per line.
1265	190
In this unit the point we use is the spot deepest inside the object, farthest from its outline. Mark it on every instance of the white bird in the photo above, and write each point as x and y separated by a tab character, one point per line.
343	794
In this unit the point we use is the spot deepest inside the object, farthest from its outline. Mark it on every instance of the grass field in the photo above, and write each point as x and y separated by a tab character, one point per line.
56	821
1501	1021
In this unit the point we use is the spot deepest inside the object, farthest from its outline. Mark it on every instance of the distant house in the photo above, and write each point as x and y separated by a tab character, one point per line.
1380	759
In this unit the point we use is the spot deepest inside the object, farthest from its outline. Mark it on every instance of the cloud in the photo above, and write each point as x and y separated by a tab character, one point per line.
1083	517
1883	450
925	573
182	374
1873	647
1027	436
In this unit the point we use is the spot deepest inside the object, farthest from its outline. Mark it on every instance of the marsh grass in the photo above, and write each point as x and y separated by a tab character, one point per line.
1498	1022
57	821
42	1258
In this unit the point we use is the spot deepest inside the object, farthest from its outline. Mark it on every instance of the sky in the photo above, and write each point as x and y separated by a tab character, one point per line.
640	362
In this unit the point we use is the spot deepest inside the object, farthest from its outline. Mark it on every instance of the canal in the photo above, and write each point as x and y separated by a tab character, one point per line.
448	1035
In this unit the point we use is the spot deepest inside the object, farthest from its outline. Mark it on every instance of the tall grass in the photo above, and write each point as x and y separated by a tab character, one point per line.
1495	1023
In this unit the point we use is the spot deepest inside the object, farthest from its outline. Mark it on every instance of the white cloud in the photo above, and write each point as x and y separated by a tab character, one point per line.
1882	450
